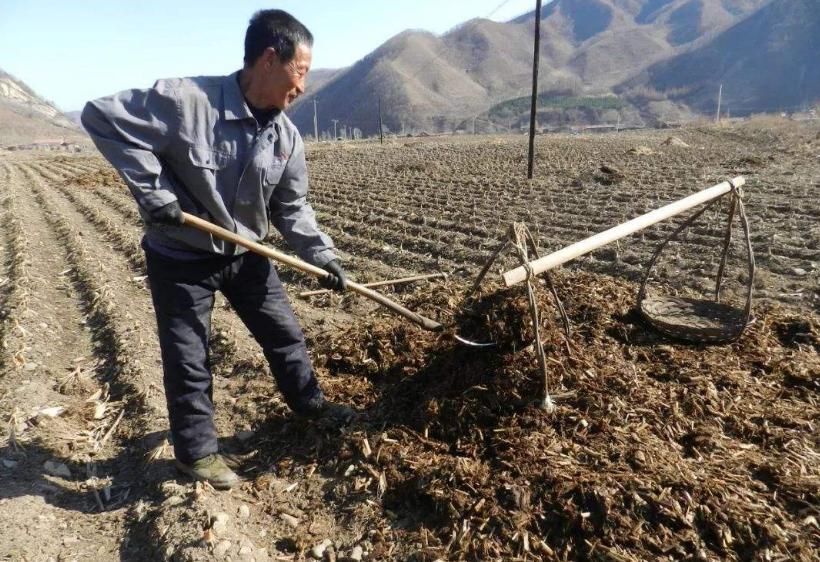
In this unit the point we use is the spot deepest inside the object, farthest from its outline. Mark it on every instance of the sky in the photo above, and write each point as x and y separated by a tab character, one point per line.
70	51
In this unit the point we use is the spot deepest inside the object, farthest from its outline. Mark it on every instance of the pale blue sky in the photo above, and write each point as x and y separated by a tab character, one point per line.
70	51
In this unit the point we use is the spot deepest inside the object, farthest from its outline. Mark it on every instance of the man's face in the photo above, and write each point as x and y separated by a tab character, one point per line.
286	81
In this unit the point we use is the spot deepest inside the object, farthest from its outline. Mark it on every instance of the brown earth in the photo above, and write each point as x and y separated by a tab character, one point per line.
657	450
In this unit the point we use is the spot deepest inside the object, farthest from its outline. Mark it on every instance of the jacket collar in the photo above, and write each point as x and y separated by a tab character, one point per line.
233	100
235	106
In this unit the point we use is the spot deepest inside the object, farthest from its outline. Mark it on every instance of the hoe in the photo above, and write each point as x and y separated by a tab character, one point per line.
305	267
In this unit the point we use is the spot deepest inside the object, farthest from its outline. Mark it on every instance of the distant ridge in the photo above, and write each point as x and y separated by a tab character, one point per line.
588	48
25	117
664	59
768	61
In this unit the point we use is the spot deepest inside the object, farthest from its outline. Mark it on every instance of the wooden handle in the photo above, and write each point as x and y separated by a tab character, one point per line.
381	283
585	246
305	267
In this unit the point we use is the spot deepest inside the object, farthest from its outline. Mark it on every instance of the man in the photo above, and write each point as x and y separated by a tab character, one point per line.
221	148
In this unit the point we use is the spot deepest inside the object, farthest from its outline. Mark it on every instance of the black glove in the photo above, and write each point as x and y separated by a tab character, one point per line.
170	214
336	280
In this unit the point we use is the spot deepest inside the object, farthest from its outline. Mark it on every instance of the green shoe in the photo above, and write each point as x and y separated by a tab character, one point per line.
211	469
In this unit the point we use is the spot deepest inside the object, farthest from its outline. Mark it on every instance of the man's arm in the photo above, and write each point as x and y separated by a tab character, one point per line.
132	129
293	216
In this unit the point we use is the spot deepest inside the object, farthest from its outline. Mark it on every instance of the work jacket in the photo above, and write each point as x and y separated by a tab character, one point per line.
195	140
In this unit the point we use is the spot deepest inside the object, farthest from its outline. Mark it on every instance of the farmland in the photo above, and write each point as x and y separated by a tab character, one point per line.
657	450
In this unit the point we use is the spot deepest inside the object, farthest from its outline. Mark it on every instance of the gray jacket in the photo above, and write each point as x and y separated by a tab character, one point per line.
196	141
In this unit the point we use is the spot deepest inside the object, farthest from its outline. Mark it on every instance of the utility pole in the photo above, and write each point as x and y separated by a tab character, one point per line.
381	126
334	128
618	124
720	98
535	57
315	121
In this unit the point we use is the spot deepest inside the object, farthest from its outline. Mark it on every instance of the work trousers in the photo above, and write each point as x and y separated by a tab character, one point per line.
183	295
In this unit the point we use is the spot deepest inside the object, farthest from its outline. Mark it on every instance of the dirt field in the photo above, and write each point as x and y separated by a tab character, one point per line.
657	450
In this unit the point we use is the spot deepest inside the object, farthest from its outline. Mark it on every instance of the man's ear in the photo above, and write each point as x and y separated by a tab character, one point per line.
271	56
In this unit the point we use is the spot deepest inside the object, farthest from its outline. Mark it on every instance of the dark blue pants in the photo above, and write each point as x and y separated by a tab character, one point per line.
183	294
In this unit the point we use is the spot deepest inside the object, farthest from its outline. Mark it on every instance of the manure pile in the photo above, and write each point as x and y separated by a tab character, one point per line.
657	450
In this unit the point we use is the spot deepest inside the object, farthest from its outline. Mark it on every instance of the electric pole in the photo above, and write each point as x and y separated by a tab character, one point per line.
381	126
315	121
720	98
334	128
535	57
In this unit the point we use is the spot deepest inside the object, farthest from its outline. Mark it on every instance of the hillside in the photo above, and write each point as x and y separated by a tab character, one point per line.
25	117
588	47
766	62
416	75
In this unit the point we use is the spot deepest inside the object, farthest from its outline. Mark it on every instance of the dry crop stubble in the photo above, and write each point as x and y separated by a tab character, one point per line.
110	325
238	367
657	451
66	409
15	281
678	442
120	342
480	184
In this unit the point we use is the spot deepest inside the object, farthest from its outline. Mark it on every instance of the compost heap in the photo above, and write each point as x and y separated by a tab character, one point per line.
657	450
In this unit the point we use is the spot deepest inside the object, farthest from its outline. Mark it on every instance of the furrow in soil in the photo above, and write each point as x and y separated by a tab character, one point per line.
59	488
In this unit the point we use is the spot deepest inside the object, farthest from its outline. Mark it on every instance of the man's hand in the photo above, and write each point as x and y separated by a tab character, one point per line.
336	280
170	214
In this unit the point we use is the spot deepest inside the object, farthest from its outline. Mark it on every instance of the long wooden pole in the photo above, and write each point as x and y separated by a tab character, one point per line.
381	283
587	245
533	105
305	267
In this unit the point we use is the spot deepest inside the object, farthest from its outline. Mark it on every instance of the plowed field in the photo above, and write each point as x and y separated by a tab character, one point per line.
657	450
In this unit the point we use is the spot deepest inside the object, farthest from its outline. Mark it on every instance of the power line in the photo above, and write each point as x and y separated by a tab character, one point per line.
504	3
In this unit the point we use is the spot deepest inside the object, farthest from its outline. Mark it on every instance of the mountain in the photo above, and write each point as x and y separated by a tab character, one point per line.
420	79
25	117
614	39
767	61
441	83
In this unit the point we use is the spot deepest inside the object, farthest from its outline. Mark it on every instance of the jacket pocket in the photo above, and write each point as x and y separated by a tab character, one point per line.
273	171
205	157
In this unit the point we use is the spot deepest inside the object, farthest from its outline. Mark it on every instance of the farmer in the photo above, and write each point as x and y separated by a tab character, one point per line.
221	148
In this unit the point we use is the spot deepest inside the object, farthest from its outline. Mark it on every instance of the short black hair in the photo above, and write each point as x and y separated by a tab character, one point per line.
277	29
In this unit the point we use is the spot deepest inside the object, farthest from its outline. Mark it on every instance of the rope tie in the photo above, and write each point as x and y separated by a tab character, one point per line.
522	242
